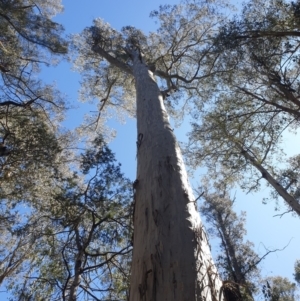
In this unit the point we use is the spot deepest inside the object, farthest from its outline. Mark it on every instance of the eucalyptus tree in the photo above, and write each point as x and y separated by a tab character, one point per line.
32	146
245	149
279	289
29	39
263	46
240	133
297	271
82	235
28	179
171	257
288	177
35	160
30	173
31	142
15	249
236	261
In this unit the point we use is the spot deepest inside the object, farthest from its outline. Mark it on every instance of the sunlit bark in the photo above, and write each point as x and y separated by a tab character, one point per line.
171	255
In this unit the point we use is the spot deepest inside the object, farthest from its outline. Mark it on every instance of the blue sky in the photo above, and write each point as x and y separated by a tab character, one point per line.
263	228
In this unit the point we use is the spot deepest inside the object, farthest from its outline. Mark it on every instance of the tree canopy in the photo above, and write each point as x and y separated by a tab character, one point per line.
239	132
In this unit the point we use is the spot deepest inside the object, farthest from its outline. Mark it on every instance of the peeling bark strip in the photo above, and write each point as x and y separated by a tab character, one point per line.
171	256
139	142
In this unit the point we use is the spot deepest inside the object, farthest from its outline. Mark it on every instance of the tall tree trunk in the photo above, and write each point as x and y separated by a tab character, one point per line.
238	276
235	268
171	254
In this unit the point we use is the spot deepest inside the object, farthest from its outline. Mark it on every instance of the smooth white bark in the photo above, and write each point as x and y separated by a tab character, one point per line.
171	255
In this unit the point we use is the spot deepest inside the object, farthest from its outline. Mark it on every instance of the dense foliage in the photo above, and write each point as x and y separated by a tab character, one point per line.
239	132
80	237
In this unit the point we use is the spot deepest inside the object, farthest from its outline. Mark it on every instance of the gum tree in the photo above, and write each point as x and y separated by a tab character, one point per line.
171	256
30	110
245	149
297	271
254	105
236	260
279	289
77	242
31	145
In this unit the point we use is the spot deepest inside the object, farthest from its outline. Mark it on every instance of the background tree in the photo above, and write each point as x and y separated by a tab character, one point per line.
297	272
263	44
237	262
236	259
30	173
279	289
29	40
32	146
255	102
30	112
244	150
82	236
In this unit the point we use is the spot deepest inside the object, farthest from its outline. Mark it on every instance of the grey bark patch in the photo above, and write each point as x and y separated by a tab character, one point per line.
155	215
146	217
165	242
144	286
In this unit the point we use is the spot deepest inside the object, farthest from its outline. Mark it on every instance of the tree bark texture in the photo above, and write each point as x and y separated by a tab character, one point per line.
171	254
77	278
77	268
